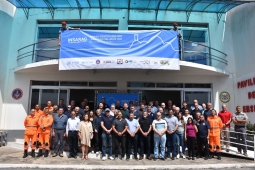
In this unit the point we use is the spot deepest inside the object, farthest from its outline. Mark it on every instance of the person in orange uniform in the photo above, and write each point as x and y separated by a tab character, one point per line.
30	123
214	135
45	123
38	114
49	106
38	111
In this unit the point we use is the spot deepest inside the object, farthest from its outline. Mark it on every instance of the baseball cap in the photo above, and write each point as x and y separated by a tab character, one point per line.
63	23
107	110
175	24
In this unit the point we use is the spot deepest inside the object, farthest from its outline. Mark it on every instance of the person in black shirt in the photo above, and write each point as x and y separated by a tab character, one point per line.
145	135
184	107
203	134
118	106
194	112
120	127
106	124
105	105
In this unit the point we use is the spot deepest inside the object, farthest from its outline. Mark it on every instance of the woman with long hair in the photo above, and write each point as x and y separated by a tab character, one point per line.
180	134
190	137
85	135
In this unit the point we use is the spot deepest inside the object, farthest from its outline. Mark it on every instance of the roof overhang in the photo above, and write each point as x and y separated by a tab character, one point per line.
212	6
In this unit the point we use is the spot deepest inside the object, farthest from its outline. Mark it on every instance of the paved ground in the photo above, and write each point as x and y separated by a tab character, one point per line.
10	156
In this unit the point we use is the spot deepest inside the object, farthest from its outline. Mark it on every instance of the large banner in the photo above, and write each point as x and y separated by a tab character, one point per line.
96	49
112	98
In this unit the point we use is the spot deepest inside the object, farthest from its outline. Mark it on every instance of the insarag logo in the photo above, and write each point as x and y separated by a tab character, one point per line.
77	40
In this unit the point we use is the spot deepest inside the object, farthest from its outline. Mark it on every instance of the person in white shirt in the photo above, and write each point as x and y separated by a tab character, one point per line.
186	116
159	127
72	128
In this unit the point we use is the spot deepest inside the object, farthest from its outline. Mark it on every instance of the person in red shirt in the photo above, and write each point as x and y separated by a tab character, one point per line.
226	118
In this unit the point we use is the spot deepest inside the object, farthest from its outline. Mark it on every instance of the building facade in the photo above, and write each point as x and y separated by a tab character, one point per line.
216	62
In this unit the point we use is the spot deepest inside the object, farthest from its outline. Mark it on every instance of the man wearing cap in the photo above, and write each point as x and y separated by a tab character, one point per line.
64	28
106	124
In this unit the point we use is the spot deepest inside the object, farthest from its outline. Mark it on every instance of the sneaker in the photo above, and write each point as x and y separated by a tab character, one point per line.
173	158
163	159
193	158
97	153
103	158
206	158
61	155
183	156
122	158
227	150
127	159
238	152
54	155
245	154
155	159
178	156
116	158
111	158
92	152
141	157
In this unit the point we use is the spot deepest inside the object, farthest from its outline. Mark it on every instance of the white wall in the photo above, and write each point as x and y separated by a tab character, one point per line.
242	22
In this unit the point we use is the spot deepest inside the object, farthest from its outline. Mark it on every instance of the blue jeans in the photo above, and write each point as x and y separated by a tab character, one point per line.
180	142
162	141
106	140
171	144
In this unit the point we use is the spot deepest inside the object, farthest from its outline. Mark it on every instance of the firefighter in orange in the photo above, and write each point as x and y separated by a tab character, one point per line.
49	106
30	123
214	135
45	123
38	111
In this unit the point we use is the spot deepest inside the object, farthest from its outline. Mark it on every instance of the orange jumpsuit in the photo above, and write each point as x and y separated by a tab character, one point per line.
44	134
214	135
39	113
50	108
31	124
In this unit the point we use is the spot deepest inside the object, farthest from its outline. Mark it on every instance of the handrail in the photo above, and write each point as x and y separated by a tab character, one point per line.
184	53
37	43
206	46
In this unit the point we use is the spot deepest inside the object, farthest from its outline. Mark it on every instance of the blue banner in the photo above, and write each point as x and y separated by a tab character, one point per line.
94	49
112	98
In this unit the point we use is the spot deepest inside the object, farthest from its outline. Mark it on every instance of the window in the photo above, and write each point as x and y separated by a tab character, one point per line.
140	84
169	85
103	84
45	83
197	85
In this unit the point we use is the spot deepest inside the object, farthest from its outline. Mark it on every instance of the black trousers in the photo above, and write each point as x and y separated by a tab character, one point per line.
132	141
145	143
120	140
98	141
59	137
202	142
73	142
191	146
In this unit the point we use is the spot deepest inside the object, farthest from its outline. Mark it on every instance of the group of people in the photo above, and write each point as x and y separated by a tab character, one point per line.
165	131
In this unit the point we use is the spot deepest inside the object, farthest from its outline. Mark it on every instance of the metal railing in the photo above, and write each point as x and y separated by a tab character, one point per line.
250	141
189	51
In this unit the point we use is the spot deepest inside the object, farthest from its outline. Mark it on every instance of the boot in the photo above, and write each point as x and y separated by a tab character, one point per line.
219	156
39	153
33	153
46	153
25	154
